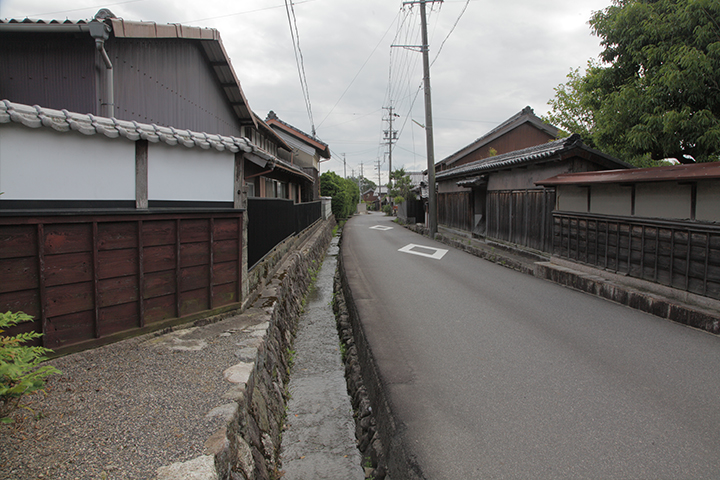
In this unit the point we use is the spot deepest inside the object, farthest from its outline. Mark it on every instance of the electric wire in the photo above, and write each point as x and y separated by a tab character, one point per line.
295	35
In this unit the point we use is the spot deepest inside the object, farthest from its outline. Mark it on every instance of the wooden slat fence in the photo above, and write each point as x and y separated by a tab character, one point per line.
272	220
454	210
523	217
85	278
681	255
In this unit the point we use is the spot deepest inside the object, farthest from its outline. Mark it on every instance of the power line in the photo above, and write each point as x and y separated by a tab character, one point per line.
450	32
295	35
358	73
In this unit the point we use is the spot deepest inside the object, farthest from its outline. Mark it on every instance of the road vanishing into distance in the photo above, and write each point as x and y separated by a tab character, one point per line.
495	374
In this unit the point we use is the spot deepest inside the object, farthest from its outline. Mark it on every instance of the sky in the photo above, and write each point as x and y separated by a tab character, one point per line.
489	59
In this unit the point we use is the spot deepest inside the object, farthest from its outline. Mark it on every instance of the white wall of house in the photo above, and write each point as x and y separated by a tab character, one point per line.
189	174
611	200
663	200
42	164
708	201
571	199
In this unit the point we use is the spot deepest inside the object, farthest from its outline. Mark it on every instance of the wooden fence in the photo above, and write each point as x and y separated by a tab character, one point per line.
523	217
683	255
454	210
272	220
87	278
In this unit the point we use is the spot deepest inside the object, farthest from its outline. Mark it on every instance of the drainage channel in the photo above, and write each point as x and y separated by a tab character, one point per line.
319	435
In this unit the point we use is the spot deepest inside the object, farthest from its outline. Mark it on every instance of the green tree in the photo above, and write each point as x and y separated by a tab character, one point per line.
364	183
656	93
400	186
344	192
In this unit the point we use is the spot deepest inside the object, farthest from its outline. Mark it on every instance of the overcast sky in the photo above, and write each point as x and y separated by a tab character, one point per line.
496	58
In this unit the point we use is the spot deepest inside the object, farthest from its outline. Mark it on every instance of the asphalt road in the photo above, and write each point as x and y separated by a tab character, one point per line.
496	374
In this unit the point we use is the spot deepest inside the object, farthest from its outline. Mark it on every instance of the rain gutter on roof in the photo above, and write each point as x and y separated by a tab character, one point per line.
101	32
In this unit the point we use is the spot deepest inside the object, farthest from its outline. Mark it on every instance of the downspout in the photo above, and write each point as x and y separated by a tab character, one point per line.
101	32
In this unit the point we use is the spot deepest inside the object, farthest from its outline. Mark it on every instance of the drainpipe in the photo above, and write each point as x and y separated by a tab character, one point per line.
101	32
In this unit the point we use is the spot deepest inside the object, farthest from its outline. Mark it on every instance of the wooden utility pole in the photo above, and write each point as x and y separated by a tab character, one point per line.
432	198
391	138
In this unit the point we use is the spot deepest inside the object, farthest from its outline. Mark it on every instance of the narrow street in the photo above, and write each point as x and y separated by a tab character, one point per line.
494	374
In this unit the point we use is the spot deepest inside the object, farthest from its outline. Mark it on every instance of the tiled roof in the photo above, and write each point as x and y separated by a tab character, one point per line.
272	119
530	155
677	173
64	121
526	115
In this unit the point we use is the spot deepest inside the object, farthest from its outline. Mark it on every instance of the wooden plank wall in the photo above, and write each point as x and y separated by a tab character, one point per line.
454	210
683	255
523	217
85	278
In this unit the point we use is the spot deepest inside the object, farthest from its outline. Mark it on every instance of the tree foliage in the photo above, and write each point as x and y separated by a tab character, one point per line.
400	186
20	370
344	192
364	183
656	93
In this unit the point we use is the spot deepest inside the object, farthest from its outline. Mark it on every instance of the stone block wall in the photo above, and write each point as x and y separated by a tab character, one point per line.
252	447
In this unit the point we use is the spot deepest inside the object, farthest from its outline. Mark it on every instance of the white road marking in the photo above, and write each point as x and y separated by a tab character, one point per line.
381	228
423	251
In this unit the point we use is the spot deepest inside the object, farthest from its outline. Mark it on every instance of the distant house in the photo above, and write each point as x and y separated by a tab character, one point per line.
377	197
522	130
306	150
124	184
497	197
658	224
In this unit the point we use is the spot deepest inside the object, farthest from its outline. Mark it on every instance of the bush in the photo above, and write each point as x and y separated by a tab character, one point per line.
20	373
345	194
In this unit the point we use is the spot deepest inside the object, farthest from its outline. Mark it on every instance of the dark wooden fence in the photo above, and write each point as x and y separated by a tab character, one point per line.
272	220
87	278
411	211
682	255
454	210
523	217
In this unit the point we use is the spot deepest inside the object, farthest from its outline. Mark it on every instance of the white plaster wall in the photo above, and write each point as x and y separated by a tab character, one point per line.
190	174
42	164
663	200
708	201
569	198
611	200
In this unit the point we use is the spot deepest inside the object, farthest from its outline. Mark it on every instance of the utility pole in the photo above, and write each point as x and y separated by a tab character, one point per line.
425	48
379	175
390	138
361	176
344	167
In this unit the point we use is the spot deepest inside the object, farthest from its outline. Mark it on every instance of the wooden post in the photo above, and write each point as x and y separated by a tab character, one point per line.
141	174
239	193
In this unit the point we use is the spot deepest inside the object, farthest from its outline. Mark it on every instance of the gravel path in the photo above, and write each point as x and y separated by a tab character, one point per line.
122	411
